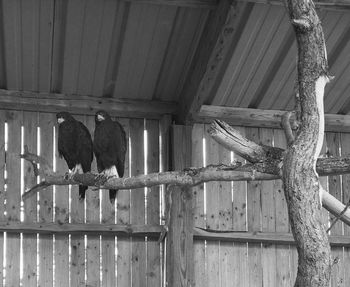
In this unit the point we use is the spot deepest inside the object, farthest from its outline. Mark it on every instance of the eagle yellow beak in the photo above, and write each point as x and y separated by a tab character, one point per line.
60	120
100	118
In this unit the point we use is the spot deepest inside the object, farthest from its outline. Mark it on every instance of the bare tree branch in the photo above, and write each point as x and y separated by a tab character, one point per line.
287	127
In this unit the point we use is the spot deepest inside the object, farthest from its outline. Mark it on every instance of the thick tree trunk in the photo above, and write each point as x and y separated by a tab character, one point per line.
301	183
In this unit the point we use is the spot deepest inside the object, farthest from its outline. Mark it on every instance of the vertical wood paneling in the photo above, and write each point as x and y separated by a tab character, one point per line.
2	190
77	270
180	248
153	272
61	217
137	261
226	254
324	183
47	122
108	242
334	184
239	212
138	258
198	132
92	216
123	217
30	123
13	196
283	277
268	256
213	192
345	152
254	221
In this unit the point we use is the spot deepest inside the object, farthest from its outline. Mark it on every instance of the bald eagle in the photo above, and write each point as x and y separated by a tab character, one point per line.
109	148
75	145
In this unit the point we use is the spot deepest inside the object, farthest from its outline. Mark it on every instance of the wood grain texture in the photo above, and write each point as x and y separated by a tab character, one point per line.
268	220
199	275
239	213
30	123
283	272
123	217
46	123
345	150
80	104
92	216
153	272
263	118
335	188
2	189
181	3
77	243
61	217
209	60
138	257
180	249
13	195
254	221
213	192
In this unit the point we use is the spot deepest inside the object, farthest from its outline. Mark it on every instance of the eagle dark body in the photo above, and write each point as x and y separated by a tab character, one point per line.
110	146
75	145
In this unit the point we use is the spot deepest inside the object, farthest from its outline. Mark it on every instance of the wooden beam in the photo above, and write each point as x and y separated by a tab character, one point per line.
329	5
260	237
263	118
179	215
78	104
155	231
211	59
209	4
76	228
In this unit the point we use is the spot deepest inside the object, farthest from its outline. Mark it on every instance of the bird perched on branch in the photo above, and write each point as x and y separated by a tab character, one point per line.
109	148
75	145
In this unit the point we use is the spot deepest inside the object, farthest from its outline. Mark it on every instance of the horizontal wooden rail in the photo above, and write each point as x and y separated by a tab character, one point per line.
263	118
87	105
210	4
156	230
80	228
260	237
328	5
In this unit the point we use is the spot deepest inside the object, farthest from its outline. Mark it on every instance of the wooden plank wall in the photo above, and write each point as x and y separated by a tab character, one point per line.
255	206
76	260
94	260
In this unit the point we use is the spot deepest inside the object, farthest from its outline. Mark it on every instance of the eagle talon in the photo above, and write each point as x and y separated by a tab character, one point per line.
67	175
101	178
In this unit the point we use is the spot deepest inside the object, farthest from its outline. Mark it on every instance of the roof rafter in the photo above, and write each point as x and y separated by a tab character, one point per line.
215	47
331	5
79	104
211	4
263	118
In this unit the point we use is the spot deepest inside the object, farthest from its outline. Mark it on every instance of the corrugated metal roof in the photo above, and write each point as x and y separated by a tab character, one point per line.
98	47
262	70
144	50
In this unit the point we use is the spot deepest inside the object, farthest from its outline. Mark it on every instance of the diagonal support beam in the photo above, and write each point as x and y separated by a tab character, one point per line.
215	48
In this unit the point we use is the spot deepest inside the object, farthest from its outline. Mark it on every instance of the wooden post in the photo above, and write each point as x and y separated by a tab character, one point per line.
179	247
